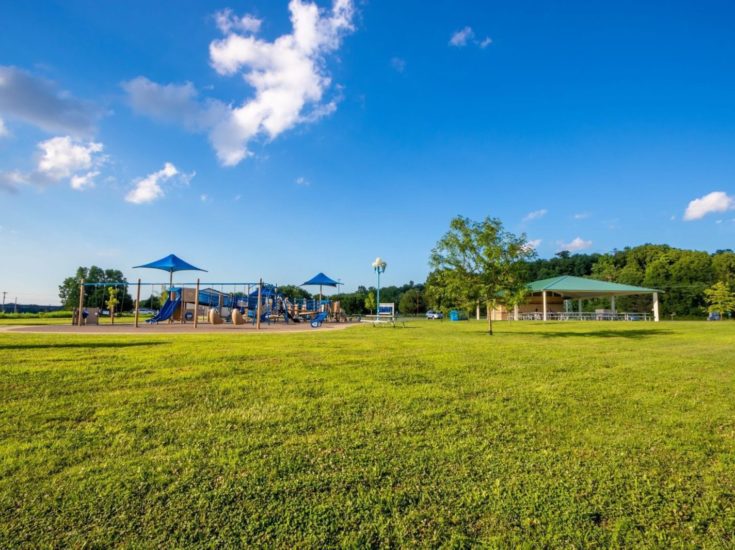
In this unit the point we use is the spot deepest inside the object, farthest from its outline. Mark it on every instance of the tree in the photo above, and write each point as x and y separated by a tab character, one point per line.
412	301
370	304
295	292
112	301
94	296
719	298
481	261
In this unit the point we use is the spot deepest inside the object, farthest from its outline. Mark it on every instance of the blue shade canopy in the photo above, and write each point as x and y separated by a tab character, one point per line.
320	279
170	263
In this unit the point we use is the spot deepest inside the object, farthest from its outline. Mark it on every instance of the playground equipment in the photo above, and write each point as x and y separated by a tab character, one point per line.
216	303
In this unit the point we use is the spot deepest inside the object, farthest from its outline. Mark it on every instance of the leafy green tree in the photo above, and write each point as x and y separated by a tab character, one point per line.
723	266
295	292
481	261
720	298
412	301
94	296
370	303
112	301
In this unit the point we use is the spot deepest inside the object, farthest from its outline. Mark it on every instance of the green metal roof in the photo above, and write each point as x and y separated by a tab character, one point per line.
577	287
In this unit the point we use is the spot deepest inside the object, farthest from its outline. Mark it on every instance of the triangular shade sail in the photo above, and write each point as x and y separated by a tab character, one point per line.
170	263
320	279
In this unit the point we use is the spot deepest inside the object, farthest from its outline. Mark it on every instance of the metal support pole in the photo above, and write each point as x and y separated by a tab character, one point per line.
137	304
196	306
377	305
257	311
655	307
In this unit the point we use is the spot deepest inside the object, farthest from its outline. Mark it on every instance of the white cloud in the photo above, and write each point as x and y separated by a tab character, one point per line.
466	36
575	245
11	181
3	129
302	181
228	22
717	201
534	243
288	76
535	215
83	181
205	198
398	64
40	102
176	103
62	157
581	215
59	158
148	189
461	37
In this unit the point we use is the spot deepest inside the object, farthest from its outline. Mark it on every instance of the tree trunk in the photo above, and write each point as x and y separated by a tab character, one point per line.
490	318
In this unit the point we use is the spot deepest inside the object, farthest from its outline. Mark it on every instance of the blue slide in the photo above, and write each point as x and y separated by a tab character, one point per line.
166	311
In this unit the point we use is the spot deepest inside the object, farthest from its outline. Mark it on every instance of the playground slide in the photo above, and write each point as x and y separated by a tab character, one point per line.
166	311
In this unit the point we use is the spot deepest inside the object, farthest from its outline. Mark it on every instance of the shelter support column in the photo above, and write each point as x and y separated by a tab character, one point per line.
477	311
515	312
612	304
655	307
543	295
580	307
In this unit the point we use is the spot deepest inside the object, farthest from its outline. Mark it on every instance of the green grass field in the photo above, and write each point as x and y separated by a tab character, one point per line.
575	435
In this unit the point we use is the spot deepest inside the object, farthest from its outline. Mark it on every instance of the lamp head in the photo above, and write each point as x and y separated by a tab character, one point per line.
379	265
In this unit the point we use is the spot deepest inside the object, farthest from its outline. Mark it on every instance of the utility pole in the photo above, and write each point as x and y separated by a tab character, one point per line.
15	309
4	293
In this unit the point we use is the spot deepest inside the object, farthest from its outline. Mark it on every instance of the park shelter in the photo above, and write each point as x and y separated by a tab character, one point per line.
546	299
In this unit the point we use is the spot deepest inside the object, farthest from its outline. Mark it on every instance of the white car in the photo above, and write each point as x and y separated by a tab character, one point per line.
431	314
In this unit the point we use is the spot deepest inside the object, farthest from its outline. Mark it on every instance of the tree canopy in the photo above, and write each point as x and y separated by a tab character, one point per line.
480	262
94	296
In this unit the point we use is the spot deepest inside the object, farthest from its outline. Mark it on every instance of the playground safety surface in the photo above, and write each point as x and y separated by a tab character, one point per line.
176	328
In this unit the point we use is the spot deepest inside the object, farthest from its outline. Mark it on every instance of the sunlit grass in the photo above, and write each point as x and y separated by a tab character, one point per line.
577	434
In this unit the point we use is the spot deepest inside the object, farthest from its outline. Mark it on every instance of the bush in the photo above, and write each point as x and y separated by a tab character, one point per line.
61	314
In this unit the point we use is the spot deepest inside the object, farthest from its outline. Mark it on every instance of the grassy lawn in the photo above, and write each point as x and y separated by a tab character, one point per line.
578	434
35	321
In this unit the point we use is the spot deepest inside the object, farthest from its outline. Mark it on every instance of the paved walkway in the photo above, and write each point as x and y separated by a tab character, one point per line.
174	328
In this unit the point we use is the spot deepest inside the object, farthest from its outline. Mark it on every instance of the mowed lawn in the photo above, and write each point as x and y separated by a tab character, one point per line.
576	434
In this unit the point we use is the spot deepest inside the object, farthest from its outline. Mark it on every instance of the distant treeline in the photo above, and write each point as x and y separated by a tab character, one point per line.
682	276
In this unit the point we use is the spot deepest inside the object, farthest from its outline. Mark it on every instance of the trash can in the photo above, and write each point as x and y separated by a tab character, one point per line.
454	315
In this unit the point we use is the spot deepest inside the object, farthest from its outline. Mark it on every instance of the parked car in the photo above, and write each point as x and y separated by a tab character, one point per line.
431	314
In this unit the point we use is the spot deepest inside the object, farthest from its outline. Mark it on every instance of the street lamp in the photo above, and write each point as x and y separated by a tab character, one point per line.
379	267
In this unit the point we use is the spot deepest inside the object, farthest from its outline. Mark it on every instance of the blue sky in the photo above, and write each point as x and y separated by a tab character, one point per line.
218	132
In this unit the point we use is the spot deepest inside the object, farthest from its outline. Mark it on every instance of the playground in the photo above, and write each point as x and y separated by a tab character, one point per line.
204	306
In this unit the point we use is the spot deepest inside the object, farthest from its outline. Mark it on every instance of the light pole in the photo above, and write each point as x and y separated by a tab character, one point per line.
379	267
